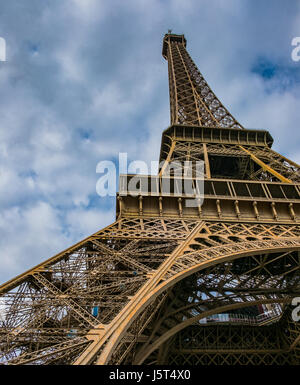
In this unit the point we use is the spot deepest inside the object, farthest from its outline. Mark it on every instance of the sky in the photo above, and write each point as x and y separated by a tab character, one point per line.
85	80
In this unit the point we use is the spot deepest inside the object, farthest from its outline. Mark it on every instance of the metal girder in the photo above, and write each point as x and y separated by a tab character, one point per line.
192	100
127	293
115	331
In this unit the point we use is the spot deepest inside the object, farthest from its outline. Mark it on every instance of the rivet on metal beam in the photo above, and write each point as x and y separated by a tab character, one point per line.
219	208
274	211
292	212
160	206
255	209
180	206
199	207
141	205
237	210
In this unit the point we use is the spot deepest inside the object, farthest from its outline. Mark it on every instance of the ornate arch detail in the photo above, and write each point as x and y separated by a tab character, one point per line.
150	348
183	265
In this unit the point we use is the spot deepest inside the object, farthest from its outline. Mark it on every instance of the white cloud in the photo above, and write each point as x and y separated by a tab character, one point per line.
86	222
28	235
111	101
99	86
89	10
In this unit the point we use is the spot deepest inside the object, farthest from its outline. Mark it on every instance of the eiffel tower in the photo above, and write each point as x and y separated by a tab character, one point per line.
172	283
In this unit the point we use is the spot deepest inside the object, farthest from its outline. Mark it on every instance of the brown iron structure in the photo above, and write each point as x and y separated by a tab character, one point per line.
167	283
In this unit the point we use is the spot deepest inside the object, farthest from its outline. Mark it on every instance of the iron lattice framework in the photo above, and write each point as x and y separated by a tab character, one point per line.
168	283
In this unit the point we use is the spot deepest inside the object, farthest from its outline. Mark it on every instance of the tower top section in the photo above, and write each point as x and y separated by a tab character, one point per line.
192	102
170	37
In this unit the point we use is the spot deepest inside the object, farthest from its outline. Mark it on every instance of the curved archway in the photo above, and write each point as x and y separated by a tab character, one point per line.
188	264
145	353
